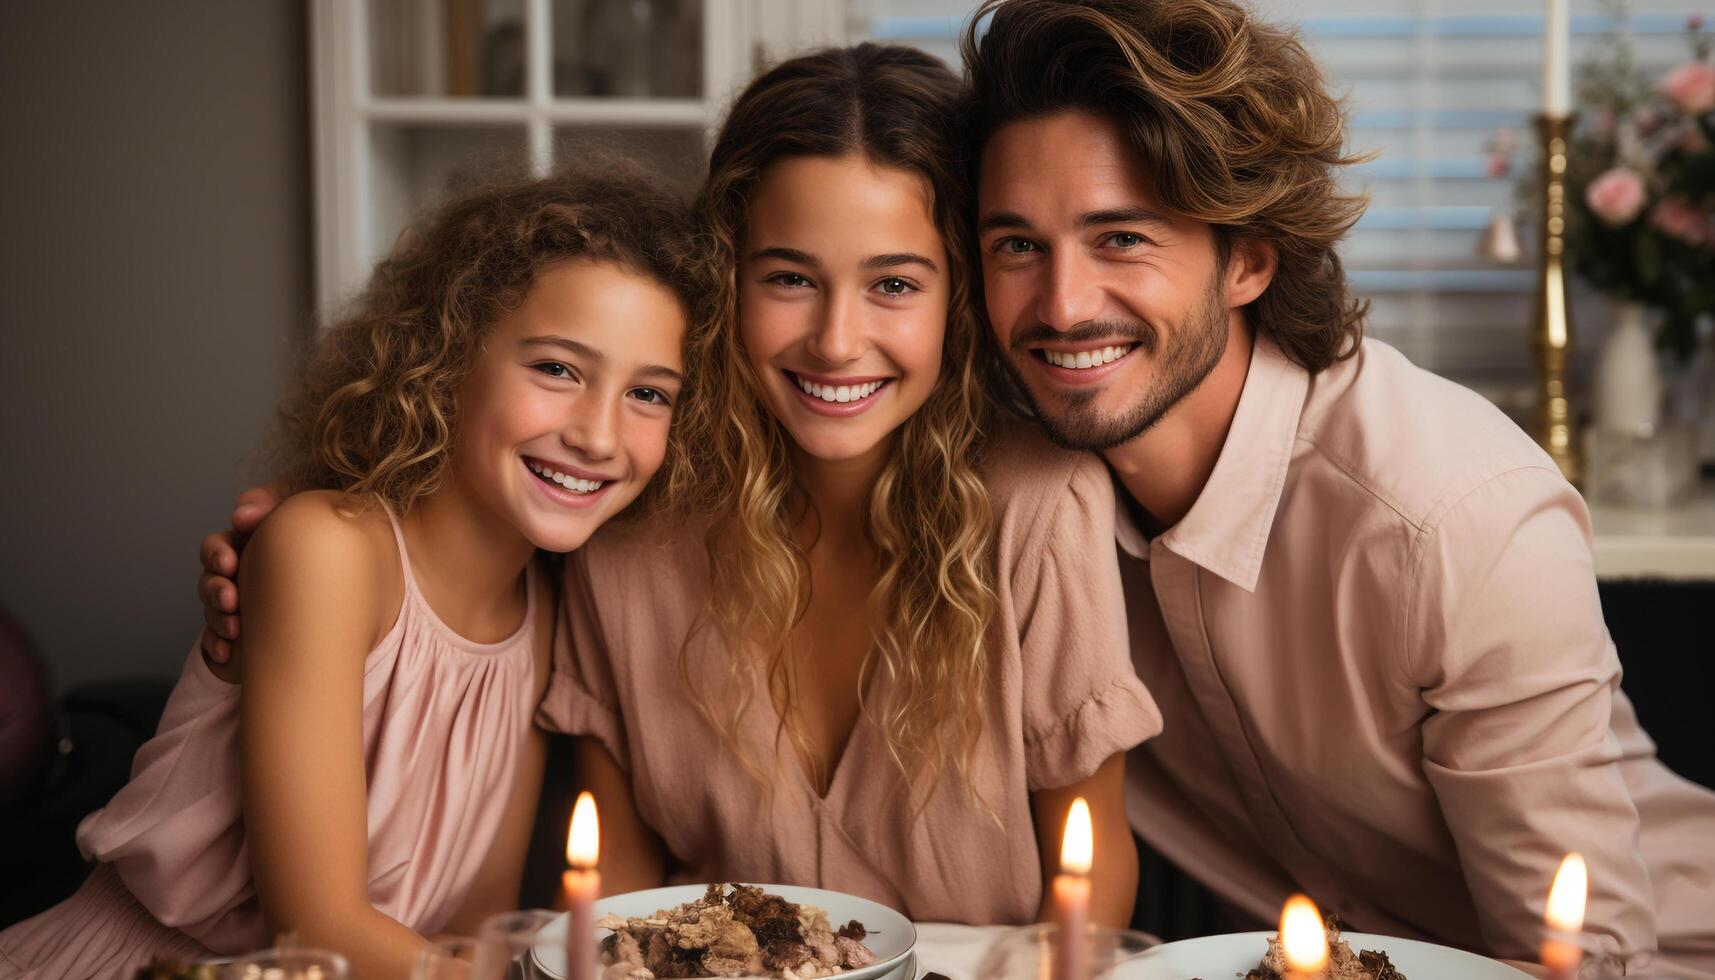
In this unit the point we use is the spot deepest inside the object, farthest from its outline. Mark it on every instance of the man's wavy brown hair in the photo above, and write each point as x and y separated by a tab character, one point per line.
928	516
1231	117
376	405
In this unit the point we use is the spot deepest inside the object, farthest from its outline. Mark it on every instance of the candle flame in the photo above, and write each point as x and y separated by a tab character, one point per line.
1078	844
1566	897
583	842
1302	936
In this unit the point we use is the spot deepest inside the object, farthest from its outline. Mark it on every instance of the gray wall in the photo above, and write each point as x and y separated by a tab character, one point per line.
154	278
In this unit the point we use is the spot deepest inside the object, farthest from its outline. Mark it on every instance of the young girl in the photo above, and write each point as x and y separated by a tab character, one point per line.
505	385
914	656
862	654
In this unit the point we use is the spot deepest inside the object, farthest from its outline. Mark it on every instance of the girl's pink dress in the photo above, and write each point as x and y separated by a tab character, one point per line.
444	721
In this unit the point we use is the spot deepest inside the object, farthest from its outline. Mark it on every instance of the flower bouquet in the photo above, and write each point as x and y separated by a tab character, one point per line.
1641	186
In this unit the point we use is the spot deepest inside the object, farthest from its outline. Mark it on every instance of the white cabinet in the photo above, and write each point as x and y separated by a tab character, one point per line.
410	96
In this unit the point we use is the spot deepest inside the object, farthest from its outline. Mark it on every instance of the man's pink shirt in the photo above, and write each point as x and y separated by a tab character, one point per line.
1379	653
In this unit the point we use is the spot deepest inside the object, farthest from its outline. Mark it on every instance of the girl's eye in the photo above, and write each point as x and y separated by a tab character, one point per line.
553	369
1126	239
650	396
1013	246
895	286
791	280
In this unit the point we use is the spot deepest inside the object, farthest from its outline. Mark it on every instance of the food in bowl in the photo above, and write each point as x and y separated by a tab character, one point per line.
1343	964
745	932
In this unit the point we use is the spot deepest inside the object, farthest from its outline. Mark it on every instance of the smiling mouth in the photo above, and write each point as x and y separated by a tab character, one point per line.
839	394
564	481
1083	360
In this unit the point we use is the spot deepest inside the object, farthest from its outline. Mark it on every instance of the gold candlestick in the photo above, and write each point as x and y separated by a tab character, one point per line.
1551	331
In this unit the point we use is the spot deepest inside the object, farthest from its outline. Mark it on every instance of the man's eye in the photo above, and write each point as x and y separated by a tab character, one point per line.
553	369
1014	246
1126	239
894	286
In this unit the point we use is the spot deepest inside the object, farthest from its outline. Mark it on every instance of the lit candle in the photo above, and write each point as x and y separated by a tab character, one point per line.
1561	950
1072	893
1303	939
1556	60
579	888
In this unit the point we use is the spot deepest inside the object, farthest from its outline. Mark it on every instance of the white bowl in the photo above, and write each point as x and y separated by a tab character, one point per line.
891	935
1223	957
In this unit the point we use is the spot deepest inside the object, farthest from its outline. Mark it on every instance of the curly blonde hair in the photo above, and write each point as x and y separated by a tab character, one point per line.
928	516
376	405
1231	116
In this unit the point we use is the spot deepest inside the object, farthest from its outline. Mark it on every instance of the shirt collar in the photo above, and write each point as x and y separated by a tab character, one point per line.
1227	529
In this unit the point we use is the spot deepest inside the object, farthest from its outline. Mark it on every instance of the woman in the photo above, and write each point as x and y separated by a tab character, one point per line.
867	649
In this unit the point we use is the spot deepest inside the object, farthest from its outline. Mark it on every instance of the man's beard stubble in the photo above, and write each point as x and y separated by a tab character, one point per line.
1190	355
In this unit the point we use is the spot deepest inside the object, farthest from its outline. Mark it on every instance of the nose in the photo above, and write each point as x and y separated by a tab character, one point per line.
1070	294
592	427
838	335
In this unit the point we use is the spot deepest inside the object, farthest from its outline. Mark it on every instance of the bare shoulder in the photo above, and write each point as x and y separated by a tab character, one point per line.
328	550
1029	478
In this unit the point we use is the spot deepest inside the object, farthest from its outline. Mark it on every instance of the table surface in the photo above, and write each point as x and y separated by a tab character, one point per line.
1645	542
954	950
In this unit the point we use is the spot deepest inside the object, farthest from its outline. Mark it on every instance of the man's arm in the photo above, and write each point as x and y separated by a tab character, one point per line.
1505	639
217	587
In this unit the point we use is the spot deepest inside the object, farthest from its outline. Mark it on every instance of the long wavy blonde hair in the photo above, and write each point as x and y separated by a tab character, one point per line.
928	516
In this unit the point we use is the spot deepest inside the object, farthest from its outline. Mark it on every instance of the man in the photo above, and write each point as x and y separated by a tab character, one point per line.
1363	599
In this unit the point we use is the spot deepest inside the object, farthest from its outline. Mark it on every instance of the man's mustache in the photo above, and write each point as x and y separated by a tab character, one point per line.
1133	330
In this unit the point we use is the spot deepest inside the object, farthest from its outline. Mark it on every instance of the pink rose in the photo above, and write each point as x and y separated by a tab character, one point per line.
1497	166
1616	197
1677	218
1691	86
1692	140
1694	23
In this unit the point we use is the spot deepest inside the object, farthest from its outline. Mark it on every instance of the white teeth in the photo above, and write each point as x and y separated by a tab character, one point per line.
572	483
1086	358
839	393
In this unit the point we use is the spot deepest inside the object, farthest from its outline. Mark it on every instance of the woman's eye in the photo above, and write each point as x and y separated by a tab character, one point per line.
650	396
553	369
791	280
895	286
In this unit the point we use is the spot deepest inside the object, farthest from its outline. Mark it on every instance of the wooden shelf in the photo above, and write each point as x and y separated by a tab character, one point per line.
600	112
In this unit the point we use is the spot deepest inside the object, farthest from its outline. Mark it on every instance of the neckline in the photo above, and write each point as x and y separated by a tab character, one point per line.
793	760
414	595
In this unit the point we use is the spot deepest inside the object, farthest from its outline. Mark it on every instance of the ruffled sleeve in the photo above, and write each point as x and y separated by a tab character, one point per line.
582	697
175	832
1082	701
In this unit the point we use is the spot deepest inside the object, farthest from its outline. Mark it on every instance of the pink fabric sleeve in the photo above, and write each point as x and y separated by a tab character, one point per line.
1503	635
1082	701
582	696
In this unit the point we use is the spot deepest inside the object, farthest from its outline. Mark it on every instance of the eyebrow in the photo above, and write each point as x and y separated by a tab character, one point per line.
1001	219
1089	219
590	353
1122	216
893	259
786	254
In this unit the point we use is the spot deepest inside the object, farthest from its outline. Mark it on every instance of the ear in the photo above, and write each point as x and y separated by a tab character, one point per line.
1250	269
